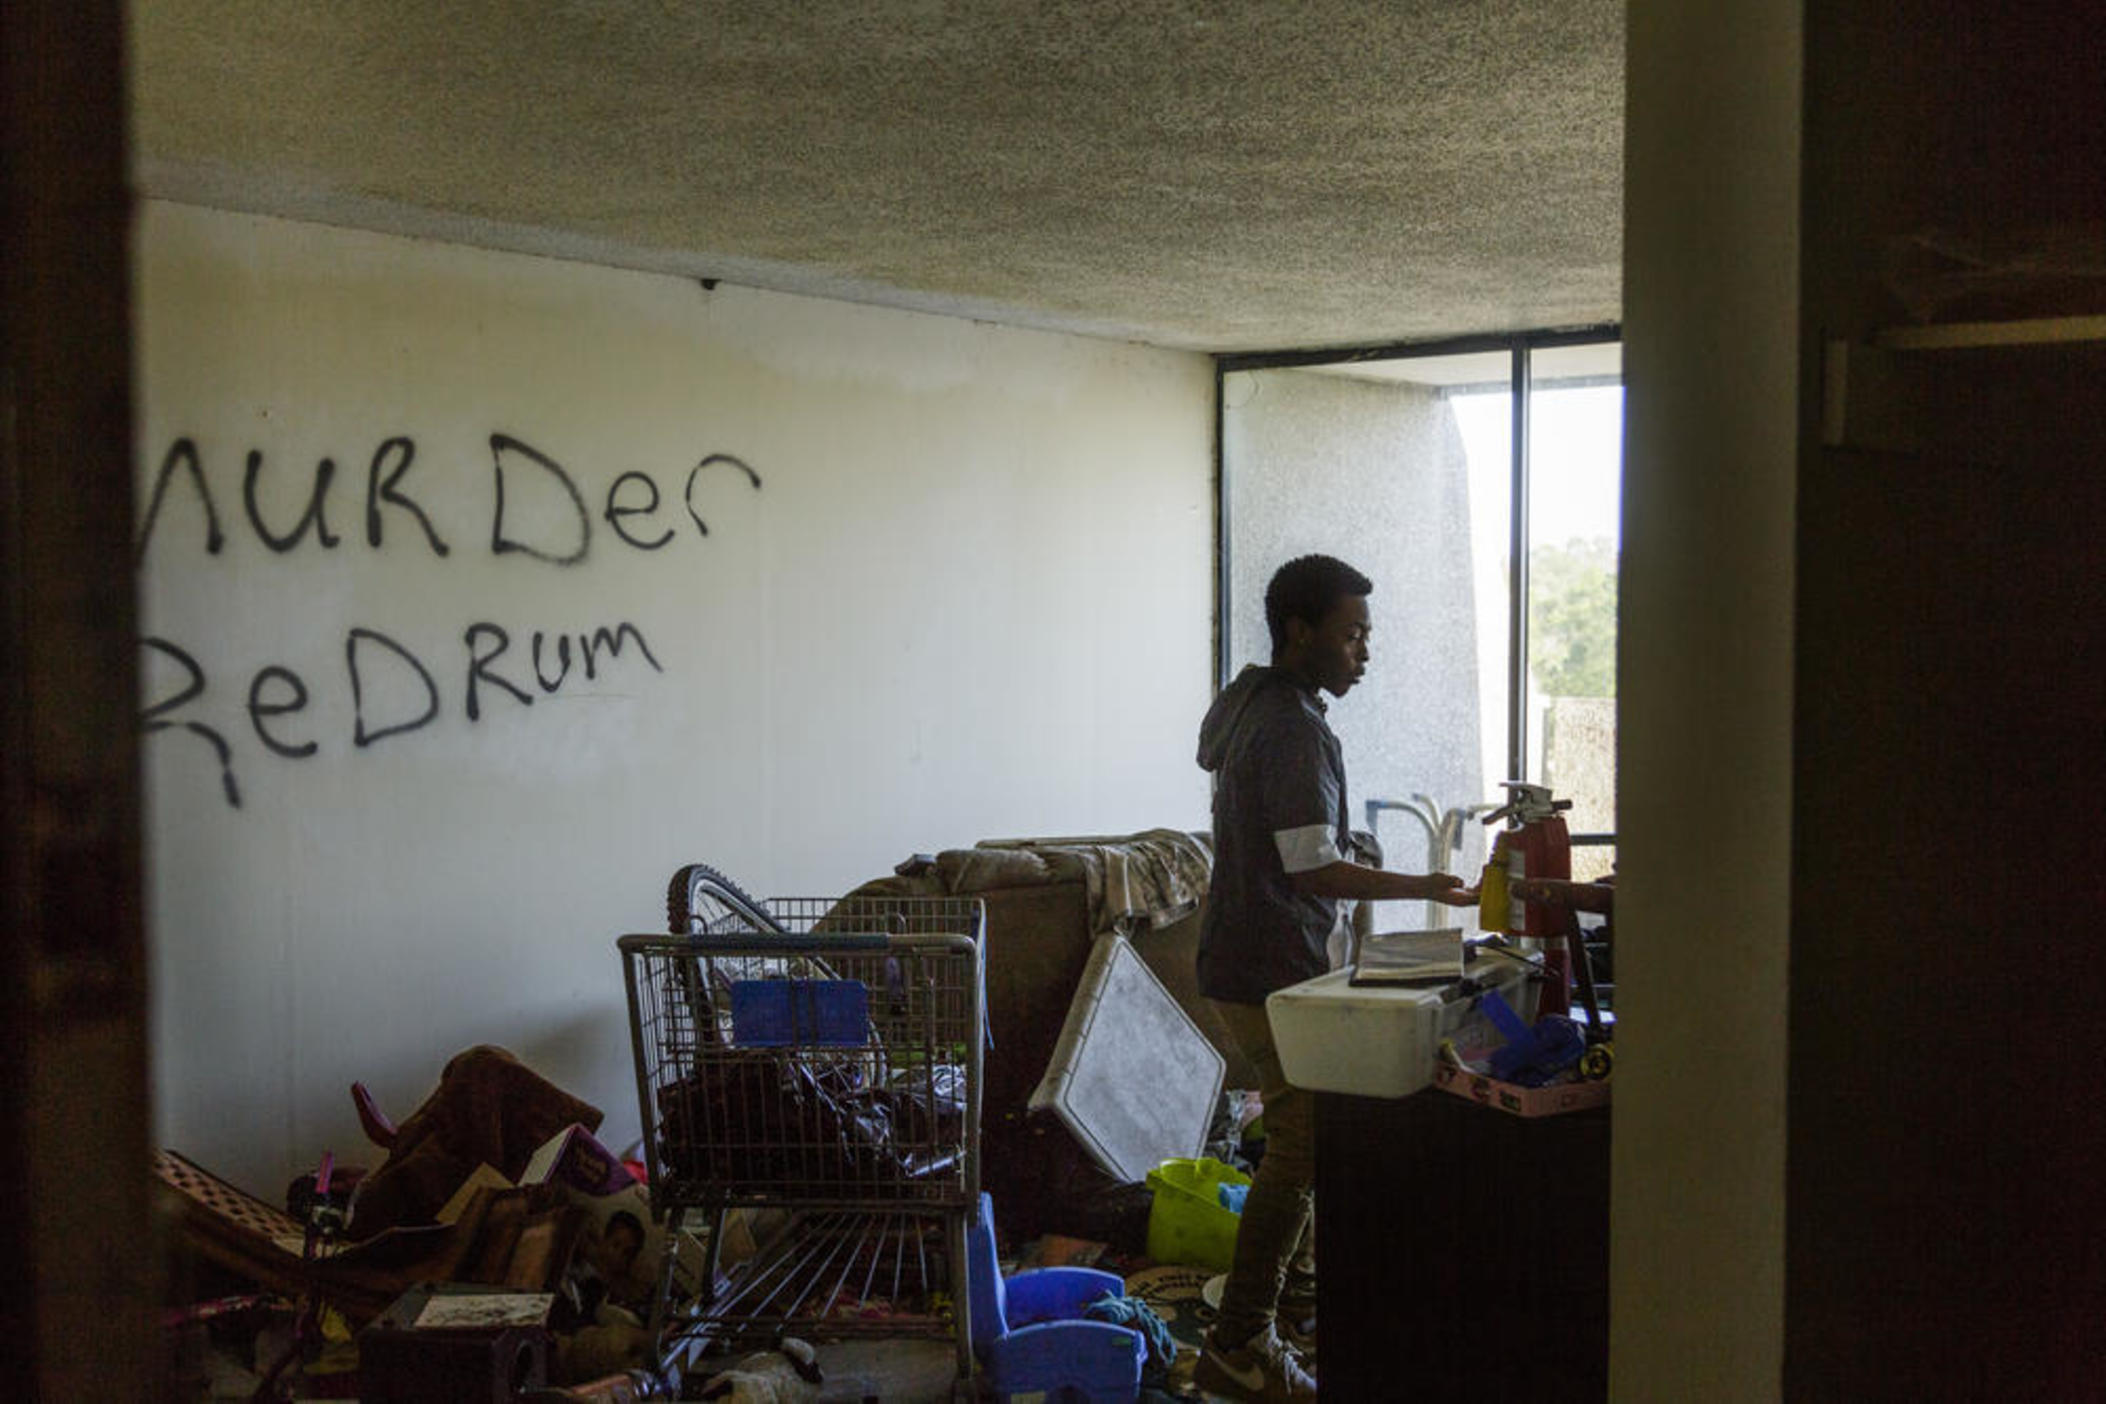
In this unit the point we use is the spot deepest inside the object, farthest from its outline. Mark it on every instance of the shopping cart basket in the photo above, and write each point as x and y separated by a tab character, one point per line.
821	1058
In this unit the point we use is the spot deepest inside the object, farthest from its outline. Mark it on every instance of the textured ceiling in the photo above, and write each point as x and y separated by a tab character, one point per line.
1219	176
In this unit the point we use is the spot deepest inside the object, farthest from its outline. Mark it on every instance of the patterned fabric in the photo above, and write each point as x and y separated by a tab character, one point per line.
1149	879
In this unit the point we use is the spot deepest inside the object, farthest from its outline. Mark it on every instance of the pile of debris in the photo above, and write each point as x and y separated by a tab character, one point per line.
496	1240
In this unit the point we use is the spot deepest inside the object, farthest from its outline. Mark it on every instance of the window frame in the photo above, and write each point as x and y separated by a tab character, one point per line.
1520	347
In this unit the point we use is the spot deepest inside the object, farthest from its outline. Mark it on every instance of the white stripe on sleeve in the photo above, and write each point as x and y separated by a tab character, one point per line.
1308	848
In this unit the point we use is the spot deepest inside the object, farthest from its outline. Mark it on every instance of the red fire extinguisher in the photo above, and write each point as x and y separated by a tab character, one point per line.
1535	844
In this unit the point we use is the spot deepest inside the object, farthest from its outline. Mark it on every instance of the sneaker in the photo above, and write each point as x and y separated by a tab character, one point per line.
1296	1315
1298	1331
1261	1368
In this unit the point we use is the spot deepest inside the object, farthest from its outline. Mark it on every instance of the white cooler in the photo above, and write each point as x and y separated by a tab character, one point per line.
1382	1040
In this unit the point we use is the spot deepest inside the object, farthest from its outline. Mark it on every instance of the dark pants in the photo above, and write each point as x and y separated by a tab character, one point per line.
1277	1232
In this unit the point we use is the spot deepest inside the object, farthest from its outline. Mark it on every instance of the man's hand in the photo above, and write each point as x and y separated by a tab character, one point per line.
1580	896
1457	896
1351	880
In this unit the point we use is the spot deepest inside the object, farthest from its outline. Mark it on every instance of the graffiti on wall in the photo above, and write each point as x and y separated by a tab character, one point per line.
394	690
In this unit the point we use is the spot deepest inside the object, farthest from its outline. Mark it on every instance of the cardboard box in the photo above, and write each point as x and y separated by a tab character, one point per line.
455	1341
574	1158
1558	1098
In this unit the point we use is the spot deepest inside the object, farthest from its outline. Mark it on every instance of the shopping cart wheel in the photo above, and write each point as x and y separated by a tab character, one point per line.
700	899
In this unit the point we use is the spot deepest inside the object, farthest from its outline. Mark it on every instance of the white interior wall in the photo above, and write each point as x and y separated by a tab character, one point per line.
970	598
1373	472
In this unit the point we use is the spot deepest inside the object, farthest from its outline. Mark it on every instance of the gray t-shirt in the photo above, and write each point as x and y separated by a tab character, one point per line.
1279	807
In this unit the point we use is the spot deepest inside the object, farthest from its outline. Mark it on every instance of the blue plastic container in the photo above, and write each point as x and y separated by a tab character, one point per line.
804	1013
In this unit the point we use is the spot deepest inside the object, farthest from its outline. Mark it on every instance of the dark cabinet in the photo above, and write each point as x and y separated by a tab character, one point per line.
1462	1253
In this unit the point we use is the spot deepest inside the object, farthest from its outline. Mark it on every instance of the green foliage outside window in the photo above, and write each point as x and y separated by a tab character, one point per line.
1572	618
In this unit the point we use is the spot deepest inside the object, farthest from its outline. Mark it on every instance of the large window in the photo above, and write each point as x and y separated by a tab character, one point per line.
1575	500
1404	464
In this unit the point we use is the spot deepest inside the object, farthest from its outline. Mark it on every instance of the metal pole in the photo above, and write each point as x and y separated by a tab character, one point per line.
1221	530
1517	577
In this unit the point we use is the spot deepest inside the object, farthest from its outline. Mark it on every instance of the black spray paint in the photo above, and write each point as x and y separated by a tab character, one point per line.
378	666
630	506
281	542
404	452
150	718
278	694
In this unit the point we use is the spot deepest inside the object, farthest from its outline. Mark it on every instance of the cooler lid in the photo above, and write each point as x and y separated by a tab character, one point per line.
1132	1076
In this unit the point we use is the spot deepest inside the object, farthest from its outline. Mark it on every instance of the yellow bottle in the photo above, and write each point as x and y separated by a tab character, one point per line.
1494	901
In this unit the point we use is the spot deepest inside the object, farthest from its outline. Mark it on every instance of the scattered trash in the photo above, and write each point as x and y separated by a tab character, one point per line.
472	1214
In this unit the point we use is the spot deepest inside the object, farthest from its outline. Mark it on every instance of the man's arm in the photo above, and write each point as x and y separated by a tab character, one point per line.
1351	880
1580	896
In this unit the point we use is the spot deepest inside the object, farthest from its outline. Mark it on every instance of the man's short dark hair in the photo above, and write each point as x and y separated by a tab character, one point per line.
1305	588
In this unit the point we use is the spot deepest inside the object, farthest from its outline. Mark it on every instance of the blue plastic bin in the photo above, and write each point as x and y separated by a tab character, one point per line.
807	1013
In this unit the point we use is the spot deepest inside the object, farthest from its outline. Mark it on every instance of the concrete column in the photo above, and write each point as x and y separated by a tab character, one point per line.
1704	683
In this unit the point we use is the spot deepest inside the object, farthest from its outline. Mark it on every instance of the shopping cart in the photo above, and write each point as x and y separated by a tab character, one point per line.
822	1059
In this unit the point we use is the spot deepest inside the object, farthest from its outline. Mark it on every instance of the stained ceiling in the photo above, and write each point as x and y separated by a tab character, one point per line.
1230	176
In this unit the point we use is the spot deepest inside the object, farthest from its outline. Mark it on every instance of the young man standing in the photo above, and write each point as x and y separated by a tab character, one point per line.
1280	870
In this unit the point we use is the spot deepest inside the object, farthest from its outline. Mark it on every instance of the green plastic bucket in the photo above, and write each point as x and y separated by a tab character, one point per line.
1186	1223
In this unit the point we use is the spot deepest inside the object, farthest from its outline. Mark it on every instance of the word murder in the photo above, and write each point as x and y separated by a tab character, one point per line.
393	693
630	507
